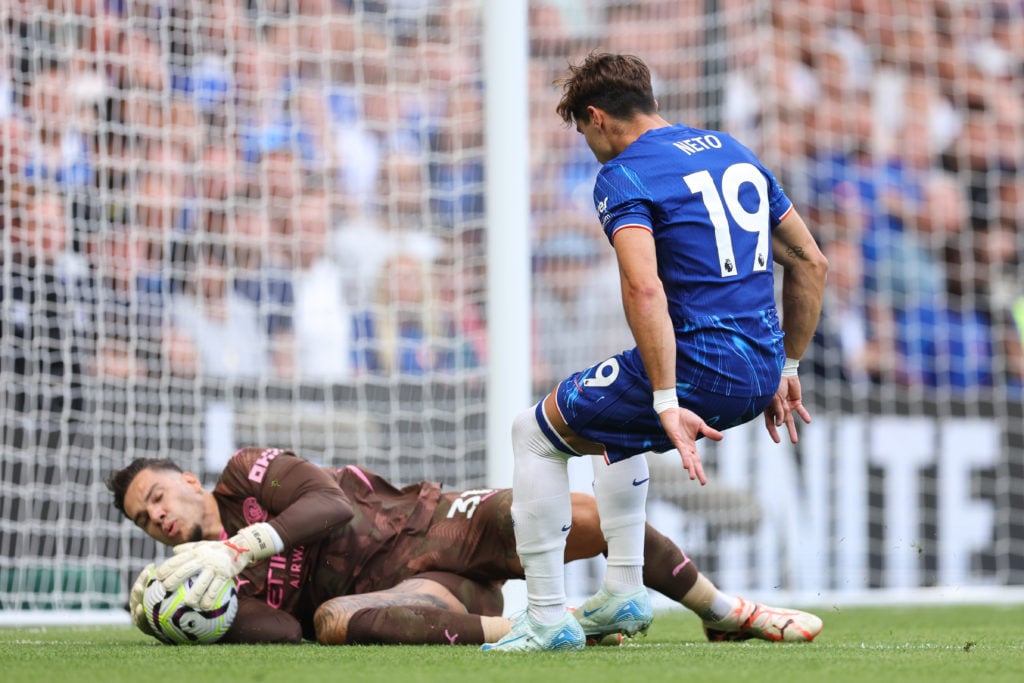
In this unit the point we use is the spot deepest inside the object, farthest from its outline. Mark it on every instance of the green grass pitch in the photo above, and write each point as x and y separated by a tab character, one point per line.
867	645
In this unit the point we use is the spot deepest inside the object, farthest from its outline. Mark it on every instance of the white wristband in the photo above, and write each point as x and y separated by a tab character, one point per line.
789	369
665	399
262	539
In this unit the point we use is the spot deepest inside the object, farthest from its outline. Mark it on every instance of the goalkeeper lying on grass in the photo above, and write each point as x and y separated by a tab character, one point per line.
342	556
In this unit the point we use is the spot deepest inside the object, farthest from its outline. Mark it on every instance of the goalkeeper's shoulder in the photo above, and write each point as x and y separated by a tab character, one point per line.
251	463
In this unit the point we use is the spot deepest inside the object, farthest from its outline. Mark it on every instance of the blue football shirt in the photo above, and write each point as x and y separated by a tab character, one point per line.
711	206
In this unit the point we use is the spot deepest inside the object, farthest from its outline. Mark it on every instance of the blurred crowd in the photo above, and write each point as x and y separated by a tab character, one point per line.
257	191
292	190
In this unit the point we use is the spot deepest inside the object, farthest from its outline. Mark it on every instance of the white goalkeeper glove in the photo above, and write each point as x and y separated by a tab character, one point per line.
138	611
217	562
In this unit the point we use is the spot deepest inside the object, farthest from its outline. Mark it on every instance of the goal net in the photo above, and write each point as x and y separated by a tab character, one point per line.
262	222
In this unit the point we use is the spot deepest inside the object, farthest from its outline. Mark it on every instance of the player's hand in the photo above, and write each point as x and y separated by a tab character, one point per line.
135	607
216	562
787	401
683	428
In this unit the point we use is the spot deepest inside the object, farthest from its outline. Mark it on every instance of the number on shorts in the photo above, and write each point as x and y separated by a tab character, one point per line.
606	373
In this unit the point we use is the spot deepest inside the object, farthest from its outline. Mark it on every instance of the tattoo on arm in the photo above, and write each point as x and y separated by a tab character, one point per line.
796	252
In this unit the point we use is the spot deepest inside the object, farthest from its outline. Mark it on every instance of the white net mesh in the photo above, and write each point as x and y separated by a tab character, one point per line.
261	222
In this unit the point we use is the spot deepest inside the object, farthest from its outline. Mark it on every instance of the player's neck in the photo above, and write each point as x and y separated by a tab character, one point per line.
629	131
213	529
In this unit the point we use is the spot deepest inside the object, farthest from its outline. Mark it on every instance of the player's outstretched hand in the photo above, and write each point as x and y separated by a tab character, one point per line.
683	428
216	562
787	401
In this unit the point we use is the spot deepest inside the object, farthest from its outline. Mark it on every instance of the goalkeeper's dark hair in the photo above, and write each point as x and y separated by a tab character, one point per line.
121	479
618	84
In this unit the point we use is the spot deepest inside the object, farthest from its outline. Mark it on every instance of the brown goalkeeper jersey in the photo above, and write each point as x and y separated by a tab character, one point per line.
349	530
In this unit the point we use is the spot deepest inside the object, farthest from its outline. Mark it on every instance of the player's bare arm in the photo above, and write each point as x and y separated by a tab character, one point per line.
803	281
803	288
646	308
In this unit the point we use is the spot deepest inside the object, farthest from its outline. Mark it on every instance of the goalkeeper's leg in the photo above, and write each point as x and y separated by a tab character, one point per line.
417	611
668	570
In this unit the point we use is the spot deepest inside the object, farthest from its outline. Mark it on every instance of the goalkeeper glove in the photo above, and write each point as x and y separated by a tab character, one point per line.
217	562
135	606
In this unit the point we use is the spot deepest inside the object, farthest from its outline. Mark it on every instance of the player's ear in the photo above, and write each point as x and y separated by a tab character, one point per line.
191	480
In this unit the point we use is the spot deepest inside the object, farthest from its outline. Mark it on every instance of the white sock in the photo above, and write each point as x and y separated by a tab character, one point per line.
621	493
542	514
709	603
722	607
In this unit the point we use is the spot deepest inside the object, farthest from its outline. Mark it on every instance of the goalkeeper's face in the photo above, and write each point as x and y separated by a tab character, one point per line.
169	506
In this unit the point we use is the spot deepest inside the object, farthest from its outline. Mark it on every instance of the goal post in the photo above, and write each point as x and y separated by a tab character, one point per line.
506	131
358	229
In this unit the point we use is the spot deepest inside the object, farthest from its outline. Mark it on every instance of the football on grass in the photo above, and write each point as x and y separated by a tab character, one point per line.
175	622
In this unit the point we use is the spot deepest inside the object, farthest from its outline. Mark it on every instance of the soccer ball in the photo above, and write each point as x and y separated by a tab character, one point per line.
176	623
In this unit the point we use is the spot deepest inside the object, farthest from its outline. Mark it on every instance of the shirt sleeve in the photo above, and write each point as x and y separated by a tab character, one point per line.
304	503
621	200
779	204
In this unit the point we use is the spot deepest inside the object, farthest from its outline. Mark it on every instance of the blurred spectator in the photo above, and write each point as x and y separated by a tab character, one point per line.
322	330
457	163
577	306
769	57
674	38
60	109
363	243
948	342
261	271
44	329
947	335
214	332
409	331
219	178
14	187
128	301
163	217
856	338
60	119
263	83
461	288
904	264
988	271
976	159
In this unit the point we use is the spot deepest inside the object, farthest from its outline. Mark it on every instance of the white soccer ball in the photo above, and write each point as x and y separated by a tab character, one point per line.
176	623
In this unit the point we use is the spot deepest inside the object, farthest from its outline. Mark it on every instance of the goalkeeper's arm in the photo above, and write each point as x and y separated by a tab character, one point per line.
305	503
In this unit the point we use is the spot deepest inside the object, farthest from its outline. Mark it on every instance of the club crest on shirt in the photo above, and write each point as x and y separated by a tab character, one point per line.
252	511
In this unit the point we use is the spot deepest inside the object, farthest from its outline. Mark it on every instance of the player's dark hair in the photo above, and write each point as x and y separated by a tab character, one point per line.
120	480
618	84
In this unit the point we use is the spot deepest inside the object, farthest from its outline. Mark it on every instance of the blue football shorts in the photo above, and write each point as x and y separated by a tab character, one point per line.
611	403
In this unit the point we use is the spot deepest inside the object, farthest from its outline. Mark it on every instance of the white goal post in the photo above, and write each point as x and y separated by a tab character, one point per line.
358	229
